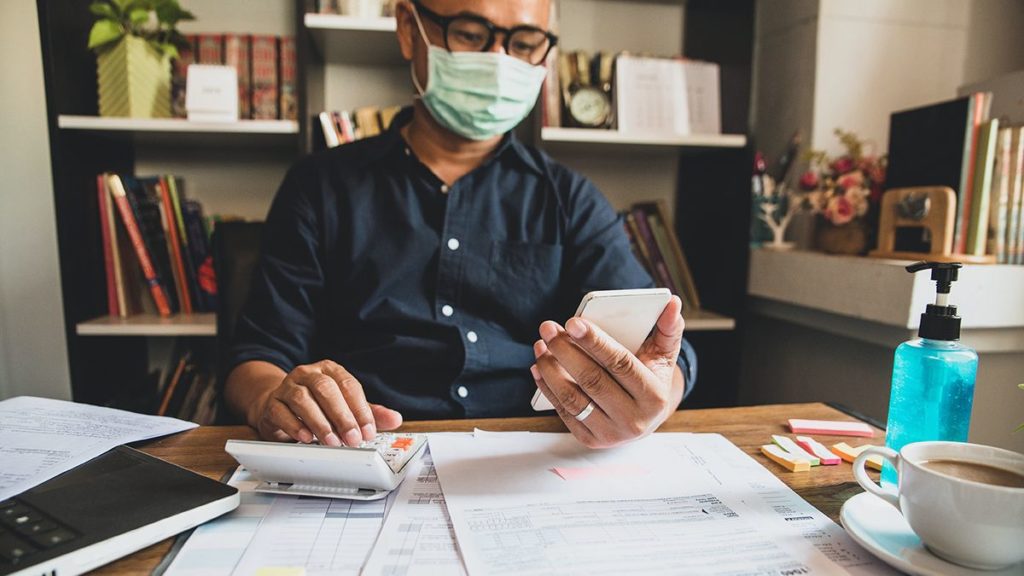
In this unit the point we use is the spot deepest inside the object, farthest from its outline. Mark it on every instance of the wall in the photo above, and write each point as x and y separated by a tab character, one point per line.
33	355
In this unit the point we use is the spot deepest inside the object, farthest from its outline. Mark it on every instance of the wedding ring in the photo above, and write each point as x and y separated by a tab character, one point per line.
585	412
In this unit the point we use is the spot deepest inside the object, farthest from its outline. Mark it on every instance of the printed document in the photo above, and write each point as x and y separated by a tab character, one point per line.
320	535
41	438
546	504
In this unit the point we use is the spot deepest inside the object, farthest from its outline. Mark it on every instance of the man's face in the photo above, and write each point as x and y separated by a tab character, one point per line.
502	13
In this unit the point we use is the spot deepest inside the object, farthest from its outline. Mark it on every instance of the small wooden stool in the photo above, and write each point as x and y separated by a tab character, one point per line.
936	212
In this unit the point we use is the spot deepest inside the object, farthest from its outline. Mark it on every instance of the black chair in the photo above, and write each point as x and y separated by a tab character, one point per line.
236	251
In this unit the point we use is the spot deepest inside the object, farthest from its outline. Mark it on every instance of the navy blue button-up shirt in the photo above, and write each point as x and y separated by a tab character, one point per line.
431	296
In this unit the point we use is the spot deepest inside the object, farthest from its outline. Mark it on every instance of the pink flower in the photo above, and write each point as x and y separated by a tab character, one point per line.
842	165
851	180
839	210
809	181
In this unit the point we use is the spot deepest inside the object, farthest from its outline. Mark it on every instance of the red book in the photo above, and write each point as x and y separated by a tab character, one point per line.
236	54
174	241
264	78
211	48
145	262
289	100
113	307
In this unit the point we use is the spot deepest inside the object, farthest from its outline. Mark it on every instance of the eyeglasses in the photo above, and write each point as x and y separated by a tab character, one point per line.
470	33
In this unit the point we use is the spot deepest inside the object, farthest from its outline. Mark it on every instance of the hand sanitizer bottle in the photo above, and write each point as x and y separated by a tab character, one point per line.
932	376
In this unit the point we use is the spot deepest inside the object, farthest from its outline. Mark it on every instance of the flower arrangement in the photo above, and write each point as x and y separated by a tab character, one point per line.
845	188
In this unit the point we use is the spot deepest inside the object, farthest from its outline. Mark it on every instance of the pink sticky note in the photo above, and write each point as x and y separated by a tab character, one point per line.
826	457
833	427
588	472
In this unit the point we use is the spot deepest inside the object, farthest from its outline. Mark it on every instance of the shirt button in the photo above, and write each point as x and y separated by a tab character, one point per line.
471	336
453	244
407	152
462	392
444	188
447	310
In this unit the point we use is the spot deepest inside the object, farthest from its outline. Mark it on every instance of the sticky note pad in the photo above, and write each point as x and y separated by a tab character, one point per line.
834	427
811	445
850	453
788	445
785	459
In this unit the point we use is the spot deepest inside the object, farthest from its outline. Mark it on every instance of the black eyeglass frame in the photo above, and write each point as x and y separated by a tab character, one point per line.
492	30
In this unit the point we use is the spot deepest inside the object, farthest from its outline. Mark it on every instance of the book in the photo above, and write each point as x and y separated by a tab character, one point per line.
387	116
176	190
171	232
965	202
144	198
179	76
210	48
115	297
237	50
1015	228
662	276
120	196
661	238
367	121
199	248
931	146
637	243
171	385
675	260
977	225
1000	201
328	127
289	105
264	77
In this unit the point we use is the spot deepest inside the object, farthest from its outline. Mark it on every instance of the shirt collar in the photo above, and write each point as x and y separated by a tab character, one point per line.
391	142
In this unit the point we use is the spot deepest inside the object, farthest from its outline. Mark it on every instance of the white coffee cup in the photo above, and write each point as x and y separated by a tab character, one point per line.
971	523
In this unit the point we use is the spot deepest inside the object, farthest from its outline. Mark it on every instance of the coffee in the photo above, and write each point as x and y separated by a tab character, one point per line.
976	472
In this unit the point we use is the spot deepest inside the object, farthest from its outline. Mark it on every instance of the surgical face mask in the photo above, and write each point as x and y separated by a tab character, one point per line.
477	95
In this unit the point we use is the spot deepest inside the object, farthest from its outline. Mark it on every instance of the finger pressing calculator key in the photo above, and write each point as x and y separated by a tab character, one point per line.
365	472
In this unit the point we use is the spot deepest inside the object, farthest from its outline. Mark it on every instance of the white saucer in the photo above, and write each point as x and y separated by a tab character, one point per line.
881	530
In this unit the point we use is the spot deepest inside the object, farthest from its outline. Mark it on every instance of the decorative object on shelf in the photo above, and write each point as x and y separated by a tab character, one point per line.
212	93
774	201
135	41
844	192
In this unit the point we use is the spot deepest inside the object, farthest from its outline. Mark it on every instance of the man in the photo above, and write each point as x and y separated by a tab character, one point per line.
414	271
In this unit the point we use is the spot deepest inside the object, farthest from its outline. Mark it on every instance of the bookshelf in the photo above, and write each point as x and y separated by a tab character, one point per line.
345	63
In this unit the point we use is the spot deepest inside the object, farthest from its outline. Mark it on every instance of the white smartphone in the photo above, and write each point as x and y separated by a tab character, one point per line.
628	316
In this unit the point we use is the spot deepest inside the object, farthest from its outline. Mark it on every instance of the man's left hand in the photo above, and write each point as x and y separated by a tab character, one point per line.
632	394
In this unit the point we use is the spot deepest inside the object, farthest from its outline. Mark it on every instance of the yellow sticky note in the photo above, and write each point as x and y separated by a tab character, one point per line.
281	571
850	453
785	459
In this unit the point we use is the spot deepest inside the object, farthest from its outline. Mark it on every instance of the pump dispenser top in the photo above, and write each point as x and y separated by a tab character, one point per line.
939	321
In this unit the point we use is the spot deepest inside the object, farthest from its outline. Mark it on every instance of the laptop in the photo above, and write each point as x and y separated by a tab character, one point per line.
107	508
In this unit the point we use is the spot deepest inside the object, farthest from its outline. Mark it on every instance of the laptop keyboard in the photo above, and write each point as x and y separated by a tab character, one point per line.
25	531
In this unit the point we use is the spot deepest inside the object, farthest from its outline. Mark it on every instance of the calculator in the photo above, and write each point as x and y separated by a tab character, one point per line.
366	472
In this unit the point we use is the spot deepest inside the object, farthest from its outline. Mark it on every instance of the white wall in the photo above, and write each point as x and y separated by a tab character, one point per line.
33	354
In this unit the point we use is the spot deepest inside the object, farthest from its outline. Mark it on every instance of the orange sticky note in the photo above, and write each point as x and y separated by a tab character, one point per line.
850	453
785	459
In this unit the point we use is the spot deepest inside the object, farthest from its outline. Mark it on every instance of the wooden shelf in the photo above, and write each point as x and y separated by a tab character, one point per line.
706	321
350	40
181	131
150	325
583	138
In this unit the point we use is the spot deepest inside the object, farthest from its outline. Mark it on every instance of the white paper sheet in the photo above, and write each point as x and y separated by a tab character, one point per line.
728	467
321	535
651	96
546	504
417	537
41	438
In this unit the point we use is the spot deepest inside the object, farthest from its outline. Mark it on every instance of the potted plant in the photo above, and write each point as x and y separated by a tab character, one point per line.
135	41
844	191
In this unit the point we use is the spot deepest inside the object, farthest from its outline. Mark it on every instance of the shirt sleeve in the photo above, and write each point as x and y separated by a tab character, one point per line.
600	256
277	323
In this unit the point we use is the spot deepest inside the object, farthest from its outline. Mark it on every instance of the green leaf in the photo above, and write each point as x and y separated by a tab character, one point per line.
139	17
104	32
1021	386
1019	428
122	4
170	50
104	10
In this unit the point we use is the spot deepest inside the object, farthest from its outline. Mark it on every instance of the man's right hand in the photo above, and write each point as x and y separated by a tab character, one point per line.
319	401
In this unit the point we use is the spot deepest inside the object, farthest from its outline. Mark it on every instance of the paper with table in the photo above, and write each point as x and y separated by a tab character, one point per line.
536	503
40	438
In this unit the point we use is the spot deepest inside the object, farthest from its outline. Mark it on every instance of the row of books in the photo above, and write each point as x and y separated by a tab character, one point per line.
266	66
187	388
156	249
956	144
363	8
657	248
1006	221
342	127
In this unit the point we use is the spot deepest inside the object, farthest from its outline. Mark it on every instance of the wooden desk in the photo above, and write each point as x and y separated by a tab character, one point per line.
826	487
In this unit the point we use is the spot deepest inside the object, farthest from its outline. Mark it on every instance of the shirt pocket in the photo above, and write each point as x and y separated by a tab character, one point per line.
524	282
